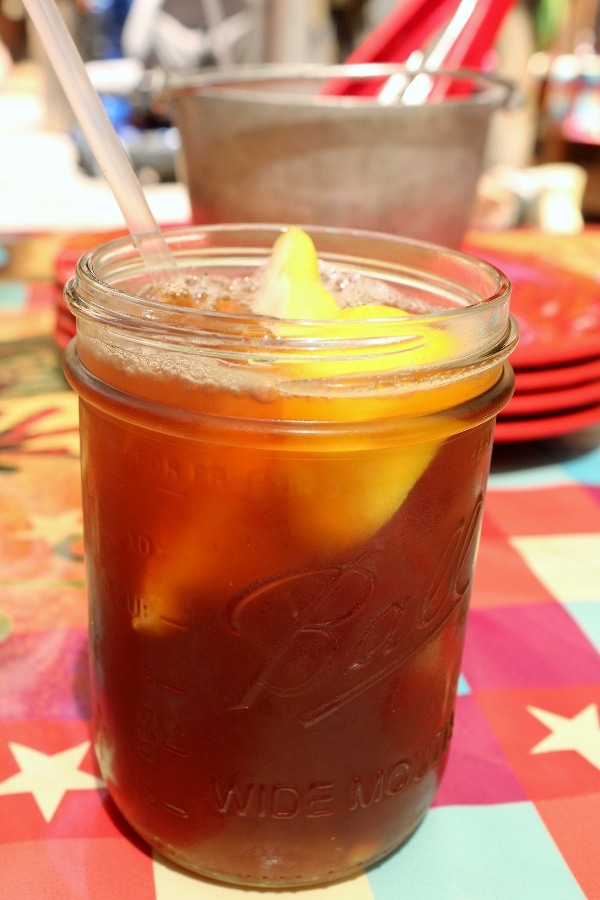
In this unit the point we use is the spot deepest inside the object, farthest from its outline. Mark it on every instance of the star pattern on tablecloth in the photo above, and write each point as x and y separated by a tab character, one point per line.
54	528
580	733
48	776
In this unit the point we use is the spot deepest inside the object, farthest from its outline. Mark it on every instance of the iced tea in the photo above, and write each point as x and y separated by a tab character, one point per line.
279	573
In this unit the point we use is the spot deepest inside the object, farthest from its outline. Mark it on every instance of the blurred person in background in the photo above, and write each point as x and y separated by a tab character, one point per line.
179	35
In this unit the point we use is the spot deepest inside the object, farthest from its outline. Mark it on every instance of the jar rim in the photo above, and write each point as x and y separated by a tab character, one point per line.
472	295
89	272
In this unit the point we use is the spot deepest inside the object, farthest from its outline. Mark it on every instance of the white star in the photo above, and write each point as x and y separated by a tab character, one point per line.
52	529
581	733
49	776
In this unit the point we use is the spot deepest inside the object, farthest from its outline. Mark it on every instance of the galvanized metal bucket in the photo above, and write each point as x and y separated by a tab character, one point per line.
270	144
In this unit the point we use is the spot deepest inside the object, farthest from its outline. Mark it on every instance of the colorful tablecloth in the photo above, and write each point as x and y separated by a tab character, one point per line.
518	813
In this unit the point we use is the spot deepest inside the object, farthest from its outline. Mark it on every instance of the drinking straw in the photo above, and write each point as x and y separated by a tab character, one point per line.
104	142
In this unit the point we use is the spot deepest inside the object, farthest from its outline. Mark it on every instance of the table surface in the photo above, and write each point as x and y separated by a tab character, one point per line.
518	812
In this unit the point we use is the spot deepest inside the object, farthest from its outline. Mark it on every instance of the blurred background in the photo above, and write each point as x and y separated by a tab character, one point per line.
48	178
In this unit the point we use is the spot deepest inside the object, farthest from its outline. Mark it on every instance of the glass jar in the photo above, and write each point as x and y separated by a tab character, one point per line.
281	522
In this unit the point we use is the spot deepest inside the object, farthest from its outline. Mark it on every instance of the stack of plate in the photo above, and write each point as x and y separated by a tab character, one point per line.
64	269
557	360
64	324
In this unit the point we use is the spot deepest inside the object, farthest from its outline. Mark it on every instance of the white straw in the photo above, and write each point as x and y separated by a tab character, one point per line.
102	138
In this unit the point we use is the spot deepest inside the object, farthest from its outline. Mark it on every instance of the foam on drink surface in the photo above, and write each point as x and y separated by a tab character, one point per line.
298	327
294	284
240	294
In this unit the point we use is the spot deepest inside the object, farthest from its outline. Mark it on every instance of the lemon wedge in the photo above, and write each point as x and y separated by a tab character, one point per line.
292	289
345	500
292	286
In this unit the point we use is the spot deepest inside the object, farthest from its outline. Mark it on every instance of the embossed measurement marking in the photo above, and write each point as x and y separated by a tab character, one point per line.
174	623
171	748
170	491
173	689
176	810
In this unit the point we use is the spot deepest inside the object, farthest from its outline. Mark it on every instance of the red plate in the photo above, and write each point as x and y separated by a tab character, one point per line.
558	311
535	403
62	337
64	327
540	427
556	377
74	247
66	320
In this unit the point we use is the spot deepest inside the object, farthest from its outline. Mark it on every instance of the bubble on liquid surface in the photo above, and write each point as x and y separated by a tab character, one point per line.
218	292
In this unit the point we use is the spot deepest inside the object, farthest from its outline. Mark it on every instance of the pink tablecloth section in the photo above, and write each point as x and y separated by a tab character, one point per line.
518	813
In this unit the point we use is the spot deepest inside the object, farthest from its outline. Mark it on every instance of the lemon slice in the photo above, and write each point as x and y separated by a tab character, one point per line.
345	502
422	344
292	289
292	286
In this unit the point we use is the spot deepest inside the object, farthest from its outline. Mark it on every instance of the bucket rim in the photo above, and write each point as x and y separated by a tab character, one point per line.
244	83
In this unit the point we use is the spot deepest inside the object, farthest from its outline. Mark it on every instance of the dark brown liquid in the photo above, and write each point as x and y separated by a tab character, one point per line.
273	700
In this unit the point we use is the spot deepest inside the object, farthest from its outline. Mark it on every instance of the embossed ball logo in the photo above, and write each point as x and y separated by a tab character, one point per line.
330	634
